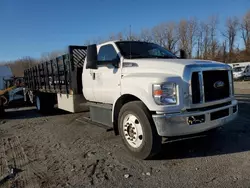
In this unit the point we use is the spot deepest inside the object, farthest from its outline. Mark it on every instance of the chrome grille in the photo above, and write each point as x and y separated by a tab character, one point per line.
210	85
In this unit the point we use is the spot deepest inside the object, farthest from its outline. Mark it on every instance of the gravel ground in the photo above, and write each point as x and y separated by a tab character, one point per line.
58	151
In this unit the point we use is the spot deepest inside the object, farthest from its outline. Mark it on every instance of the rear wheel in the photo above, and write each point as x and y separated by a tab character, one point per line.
2	110
138	131
38	103
44	103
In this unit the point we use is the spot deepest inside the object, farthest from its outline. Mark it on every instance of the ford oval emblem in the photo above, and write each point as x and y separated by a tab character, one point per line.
218	84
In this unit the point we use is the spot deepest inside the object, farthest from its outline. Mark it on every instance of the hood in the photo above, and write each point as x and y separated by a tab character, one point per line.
166	66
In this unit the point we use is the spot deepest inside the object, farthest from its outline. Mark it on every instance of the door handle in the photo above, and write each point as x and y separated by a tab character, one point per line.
93	75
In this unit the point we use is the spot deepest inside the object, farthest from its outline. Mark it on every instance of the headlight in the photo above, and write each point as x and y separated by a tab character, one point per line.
165	93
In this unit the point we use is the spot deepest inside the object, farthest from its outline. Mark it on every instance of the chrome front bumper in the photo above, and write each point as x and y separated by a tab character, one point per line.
176	124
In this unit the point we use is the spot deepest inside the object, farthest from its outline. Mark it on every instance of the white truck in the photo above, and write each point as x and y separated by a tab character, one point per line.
241	72
141	90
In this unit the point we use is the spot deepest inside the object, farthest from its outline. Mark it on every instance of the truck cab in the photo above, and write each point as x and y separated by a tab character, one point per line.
146	93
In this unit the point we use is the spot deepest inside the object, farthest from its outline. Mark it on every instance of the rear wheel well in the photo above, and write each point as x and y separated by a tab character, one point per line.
121	101
47	101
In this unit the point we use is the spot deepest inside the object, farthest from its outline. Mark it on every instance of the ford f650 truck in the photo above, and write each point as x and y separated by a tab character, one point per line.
141	90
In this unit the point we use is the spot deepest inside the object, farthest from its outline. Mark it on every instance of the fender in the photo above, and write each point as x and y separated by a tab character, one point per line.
143	91
138	93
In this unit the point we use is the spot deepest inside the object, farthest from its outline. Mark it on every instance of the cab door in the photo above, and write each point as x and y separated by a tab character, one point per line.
107	76
88	83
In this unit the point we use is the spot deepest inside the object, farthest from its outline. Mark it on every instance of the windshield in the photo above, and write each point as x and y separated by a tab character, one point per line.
238	69
136	49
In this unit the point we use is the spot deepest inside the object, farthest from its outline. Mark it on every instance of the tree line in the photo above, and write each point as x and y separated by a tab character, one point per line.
200	39
18	66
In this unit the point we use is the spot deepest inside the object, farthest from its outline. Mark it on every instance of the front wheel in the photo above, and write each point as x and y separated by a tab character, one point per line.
138	131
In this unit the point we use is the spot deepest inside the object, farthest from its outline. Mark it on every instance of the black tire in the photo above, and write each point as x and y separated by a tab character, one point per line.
46	104
151	142
39	103
2	109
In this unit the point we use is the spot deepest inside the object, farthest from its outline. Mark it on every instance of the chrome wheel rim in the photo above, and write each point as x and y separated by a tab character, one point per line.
132	130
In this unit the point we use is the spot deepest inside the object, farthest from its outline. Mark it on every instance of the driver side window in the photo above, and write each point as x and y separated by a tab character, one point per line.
106	53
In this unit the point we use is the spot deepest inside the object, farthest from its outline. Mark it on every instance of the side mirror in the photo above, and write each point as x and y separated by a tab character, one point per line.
183	54
91	57
116	62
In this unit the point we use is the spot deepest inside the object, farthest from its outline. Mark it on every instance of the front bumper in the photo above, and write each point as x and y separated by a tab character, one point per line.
177	125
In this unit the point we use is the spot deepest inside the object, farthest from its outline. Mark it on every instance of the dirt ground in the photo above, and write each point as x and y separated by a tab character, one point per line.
58	151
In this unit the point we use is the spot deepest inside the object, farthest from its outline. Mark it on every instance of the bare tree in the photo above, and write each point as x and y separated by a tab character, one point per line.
120	36
213	22
183	34
51	55
146	35
171	36
224	48
222	52
200	39
128	34
245	30
192	35
231	33
17	67
187	33
203	40
207	42
158	33
164	34
133	37
112	36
